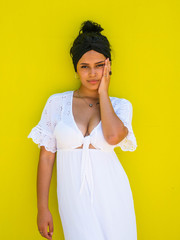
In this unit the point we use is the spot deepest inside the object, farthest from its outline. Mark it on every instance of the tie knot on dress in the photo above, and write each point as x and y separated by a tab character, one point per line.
86	167
86	141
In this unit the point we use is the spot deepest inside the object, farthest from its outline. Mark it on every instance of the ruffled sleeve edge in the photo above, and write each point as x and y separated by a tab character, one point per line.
43	138
129	143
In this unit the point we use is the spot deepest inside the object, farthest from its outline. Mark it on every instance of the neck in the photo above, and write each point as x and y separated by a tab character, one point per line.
85	92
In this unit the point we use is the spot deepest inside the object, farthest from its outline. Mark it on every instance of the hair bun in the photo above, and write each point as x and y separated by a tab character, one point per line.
89	26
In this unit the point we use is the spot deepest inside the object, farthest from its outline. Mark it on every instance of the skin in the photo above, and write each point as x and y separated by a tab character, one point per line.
92	65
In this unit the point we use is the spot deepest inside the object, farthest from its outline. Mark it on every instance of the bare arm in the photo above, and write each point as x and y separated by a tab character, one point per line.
113	128
44	174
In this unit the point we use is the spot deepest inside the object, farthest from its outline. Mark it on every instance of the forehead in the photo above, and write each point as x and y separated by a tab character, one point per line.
92	57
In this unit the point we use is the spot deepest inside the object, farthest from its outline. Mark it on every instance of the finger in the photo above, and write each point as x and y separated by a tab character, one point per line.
51	228
106	68
50	237
45	233
104	72
109	66
41	232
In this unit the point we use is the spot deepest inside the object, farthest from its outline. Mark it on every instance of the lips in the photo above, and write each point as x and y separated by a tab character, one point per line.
93	80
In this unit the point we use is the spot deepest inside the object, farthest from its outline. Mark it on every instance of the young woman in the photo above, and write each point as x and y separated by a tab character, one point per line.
84	126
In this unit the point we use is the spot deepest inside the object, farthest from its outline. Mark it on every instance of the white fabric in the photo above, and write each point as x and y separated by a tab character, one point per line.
94	195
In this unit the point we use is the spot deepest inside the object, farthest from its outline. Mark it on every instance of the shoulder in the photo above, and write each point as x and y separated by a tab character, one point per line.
120	102
58	97
56	100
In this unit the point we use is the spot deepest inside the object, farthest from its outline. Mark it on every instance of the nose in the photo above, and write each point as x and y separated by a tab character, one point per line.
92	71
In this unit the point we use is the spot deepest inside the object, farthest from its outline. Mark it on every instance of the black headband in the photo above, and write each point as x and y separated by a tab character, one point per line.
81	49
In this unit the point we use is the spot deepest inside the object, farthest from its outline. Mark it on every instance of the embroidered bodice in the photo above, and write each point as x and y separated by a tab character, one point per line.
57	124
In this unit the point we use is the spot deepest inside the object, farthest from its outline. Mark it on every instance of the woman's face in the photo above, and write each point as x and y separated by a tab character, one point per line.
90	69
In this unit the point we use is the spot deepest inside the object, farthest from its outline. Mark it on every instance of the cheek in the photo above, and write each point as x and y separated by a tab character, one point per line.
83	74
100	71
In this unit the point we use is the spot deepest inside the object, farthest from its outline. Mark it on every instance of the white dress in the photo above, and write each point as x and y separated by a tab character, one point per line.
94	196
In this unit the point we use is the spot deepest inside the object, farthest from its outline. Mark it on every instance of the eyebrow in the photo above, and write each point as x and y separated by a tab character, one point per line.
95	63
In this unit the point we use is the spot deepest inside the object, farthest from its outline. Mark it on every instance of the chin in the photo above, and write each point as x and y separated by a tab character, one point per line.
91	86
94	87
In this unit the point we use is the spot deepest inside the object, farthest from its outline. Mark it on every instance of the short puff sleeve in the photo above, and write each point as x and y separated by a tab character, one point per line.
123	109
42	133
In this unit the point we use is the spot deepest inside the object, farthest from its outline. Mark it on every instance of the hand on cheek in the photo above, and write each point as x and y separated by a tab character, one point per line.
105	80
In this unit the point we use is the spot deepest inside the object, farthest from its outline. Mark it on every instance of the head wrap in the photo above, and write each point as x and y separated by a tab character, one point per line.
89	39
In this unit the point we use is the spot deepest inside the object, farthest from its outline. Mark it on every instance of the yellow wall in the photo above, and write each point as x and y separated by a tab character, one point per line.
35	63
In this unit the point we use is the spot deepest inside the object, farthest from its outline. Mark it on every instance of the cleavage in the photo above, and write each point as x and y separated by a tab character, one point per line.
89	129
86	119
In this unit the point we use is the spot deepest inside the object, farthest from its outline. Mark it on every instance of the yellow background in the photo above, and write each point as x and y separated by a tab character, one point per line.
35	63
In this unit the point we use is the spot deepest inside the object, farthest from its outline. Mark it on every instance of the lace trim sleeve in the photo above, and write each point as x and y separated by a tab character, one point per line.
124	111
42	133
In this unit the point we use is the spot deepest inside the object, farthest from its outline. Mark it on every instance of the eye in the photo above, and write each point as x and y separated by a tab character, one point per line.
84	66
100	65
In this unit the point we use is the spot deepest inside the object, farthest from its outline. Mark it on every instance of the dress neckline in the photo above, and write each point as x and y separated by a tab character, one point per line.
72	93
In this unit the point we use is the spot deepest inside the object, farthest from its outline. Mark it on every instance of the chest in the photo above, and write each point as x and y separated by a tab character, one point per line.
85	117
70	134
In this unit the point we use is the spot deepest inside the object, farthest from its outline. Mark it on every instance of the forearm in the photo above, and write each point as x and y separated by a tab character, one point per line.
44	175
113	128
